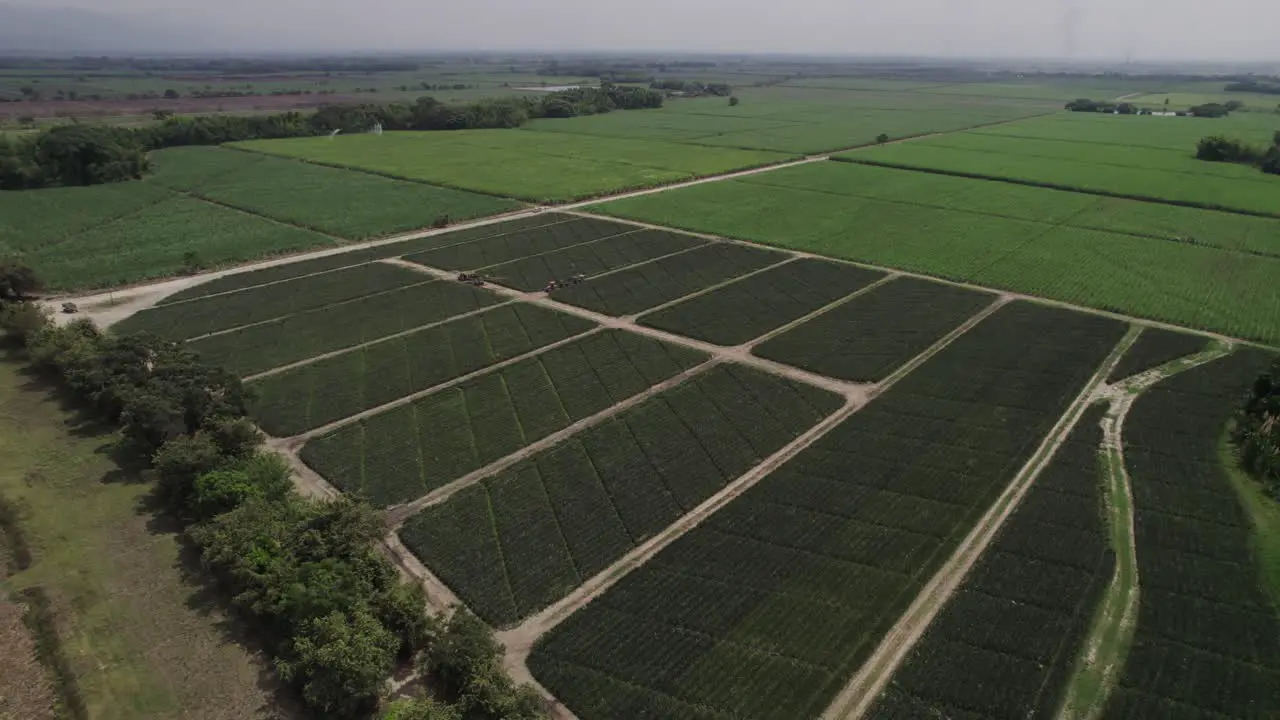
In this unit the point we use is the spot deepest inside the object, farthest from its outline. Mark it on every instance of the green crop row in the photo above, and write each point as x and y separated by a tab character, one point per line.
200	317
289	271
816	562
504	248
748	308
1155	347
867	338
294	338
1208	640
590	259
313	395
519	541
645	286
1187	284
345	203
405	452
1005	644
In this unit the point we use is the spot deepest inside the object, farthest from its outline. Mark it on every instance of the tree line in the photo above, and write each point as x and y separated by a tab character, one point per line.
82	154
1257	430
1210	110
308	574
1254	86
1217	148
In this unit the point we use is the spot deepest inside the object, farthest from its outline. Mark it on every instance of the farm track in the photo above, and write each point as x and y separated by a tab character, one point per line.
857	697
1104	650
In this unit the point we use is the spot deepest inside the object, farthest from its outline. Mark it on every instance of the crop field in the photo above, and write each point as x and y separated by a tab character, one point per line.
767	607
498	249
591	259
90	237
652	284
1187	284
799	120
318	393
1005	643
1090	156
525	164
349	204
748	308
1155	347
867	338
294	338
184	320
405	452
1208	639
327	263
568	513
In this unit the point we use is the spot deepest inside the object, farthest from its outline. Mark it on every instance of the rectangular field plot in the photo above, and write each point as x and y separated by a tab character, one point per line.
867	338
1155	347
291	339
101	236
313	395
347	203
1192	284
408	451
522	540
200	317
504	248
1167	174
328	263
746	309
1005	644
1208	639
813	565
590	259
526	164
645	286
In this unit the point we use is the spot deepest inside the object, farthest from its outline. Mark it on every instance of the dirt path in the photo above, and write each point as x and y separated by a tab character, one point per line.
865	687
1103	653
519	641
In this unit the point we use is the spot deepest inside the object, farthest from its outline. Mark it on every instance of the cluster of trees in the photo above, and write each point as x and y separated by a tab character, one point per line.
693	88
1217	148
1254	86
93	154
1124	108
1257	430
309	574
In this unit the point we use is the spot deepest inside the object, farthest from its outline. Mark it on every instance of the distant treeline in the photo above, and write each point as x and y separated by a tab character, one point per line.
1222	149
1254	86
1124	108
691	87
222	66
95	154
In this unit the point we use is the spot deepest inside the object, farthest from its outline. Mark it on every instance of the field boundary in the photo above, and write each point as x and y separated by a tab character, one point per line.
865	687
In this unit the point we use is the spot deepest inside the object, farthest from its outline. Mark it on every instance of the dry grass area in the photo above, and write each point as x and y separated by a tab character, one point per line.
26	692
142	635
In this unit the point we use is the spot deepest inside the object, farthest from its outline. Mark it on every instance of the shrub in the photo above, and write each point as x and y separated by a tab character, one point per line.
342	662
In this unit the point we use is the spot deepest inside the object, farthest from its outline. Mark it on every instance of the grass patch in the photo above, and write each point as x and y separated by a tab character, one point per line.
1264	514
140	640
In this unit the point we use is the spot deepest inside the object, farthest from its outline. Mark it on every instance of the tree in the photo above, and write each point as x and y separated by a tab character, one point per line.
171	94
733	100
341	661
18	281
21	320
180	462
261	475
882	138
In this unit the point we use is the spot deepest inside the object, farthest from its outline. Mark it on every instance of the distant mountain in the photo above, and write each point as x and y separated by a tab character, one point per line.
63	30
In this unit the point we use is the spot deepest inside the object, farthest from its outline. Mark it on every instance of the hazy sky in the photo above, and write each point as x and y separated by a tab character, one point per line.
1112	29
